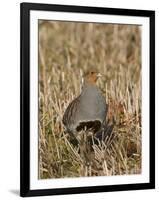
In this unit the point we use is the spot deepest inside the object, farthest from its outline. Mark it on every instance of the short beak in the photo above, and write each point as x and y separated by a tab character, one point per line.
99	75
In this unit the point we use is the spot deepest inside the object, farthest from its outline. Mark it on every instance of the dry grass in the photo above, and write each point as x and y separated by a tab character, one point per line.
65	51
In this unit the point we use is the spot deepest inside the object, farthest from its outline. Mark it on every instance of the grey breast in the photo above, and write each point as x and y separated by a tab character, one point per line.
92	104
90	107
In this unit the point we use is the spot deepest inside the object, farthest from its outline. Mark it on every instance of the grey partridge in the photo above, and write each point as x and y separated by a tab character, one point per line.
87	111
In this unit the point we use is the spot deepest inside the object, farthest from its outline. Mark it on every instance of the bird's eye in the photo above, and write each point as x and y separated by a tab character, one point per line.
92	72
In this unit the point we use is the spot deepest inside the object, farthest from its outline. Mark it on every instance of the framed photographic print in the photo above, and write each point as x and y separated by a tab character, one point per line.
87	99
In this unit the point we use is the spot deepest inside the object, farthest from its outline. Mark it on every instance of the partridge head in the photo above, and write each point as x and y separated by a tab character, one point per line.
91	77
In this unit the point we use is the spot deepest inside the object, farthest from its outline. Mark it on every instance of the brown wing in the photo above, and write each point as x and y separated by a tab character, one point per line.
71	110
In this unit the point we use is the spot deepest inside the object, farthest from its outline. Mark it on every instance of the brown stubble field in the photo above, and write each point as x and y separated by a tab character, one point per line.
66	51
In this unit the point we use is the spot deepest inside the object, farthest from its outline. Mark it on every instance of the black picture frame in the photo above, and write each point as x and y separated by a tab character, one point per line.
25	9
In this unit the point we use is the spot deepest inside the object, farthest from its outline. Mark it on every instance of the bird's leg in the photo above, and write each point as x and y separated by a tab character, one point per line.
82	152
86	152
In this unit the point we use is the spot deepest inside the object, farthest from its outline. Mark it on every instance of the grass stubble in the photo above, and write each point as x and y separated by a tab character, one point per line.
66	50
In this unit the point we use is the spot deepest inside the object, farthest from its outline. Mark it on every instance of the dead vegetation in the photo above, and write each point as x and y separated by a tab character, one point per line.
67	49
